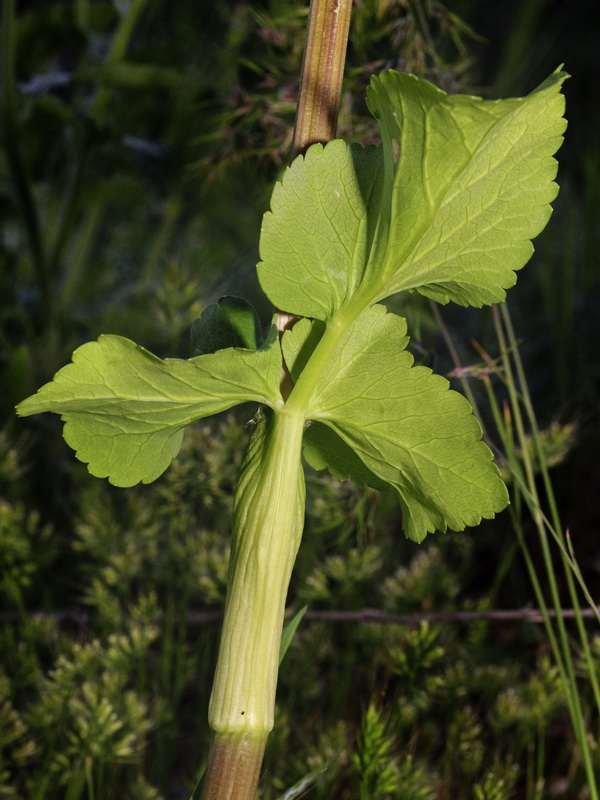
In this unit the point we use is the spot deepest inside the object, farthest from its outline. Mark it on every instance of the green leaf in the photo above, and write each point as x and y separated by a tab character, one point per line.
447	205
298	344
408	428
324	449
125	409
472	183
198	788
315	241
231	322
289	632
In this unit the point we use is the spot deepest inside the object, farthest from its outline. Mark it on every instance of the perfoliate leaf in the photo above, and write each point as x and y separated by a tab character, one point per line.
447	206
298	343
324	449
472	184
315	241
408	428
125	409
231	322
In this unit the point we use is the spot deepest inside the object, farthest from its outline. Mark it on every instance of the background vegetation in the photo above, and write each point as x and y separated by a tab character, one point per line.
140	142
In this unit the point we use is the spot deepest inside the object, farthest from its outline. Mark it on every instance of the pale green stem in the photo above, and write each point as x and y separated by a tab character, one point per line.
267	528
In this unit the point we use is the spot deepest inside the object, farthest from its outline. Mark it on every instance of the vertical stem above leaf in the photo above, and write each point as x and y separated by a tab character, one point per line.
319	97
322	73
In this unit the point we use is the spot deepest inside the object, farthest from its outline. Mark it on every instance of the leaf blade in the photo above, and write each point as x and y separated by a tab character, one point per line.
316	239
472	185
408	428
125	409
289	631
324	449
230	322
447	205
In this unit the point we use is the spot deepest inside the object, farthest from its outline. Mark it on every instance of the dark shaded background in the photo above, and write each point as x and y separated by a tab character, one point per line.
131	192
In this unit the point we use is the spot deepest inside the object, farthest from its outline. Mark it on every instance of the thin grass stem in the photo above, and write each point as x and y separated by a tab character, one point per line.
570	566
568	669
464	383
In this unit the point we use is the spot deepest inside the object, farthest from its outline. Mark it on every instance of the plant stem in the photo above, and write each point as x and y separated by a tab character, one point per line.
322	73
267	528
234	766
270	498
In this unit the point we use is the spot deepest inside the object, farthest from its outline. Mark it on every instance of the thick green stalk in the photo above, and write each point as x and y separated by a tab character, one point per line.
267	528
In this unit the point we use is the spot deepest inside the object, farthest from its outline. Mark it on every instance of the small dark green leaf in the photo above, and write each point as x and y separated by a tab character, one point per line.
198	789
289	631
232	322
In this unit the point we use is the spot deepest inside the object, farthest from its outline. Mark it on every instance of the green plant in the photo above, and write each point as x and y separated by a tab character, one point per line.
445	206
380	775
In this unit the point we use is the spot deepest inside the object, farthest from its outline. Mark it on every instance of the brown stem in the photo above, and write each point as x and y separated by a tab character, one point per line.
233	767
322	73
319	98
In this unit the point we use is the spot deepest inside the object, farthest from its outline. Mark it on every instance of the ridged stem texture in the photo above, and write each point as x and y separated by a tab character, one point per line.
268	522
322	73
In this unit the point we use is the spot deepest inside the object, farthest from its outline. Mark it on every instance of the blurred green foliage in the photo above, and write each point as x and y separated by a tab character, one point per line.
140	140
